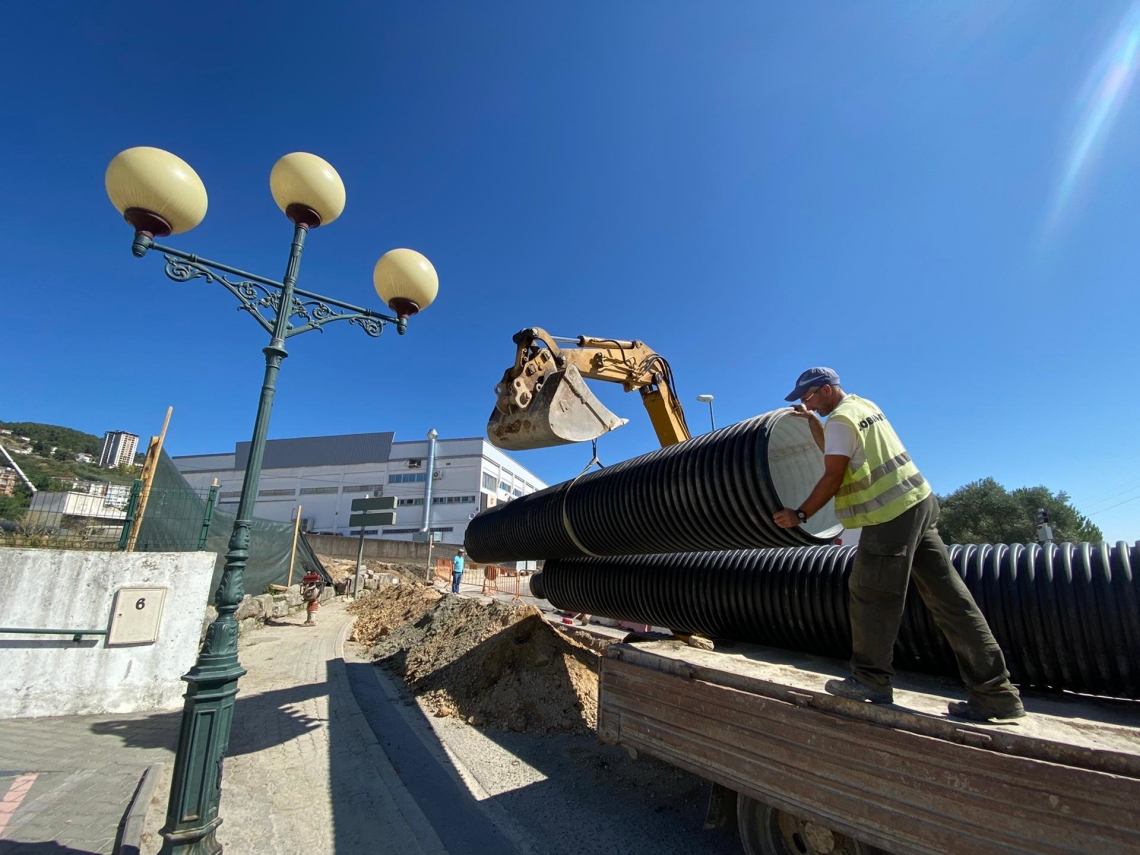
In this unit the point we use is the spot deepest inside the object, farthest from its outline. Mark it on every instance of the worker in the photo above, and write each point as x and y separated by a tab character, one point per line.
877	487
457	570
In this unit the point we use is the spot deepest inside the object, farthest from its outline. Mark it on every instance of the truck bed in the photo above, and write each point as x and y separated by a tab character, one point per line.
905	777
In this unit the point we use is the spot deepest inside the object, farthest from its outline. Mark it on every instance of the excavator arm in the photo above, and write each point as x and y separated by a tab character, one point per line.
543	400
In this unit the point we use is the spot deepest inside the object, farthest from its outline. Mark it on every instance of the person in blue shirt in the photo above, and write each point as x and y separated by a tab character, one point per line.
457	570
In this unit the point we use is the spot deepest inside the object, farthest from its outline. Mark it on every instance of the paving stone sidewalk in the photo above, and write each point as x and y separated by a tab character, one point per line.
66	782
304	772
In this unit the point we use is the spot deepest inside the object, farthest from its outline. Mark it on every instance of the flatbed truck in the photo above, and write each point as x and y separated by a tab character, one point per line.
801	771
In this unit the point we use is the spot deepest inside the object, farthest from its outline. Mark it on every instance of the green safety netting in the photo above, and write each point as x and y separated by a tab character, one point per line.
173	522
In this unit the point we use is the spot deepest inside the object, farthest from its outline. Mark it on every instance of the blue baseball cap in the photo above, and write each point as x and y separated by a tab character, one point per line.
811	378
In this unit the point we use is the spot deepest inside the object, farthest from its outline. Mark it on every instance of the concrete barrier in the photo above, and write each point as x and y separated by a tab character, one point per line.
386	550
50	675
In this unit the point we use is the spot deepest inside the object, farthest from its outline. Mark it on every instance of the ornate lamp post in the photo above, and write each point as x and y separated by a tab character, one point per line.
160	195
708	399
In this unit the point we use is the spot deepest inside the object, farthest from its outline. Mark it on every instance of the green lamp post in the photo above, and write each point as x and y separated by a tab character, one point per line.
159	195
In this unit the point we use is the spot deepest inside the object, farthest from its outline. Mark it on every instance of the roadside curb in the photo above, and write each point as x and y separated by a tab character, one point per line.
404	800
134	820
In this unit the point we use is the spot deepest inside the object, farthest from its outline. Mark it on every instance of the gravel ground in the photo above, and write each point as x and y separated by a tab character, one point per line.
566	793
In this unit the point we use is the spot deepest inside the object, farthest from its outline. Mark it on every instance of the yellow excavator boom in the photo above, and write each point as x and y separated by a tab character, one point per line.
543	400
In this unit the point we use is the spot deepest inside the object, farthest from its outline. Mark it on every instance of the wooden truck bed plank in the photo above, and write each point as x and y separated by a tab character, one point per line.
902	789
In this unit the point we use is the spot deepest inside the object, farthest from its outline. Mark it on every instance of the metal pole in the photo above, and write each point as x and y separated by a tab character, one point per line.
208	517
195	792
132	507
427	498
359	562
712	418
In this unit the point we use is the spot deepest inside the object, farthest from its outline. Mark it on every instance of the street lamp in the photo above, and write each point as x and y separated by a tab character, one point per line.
708	399
159	195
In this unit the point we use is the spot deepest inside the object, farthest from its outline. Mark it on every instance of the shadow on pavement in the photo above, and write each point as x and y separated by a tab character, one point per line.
160	730
447	804
594	797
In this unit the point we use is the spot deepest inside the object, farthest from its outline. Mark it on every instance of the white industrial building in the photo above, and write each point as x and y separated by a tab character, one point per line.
321	475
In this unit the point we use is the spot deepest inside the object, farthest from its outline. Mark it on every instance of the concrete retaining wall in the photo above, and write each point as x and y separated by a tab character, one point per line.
70	589
387	550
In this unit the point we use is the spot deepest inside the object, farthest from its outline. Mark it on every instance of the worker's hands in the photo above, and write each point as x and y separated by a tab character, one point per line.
804	413
786	518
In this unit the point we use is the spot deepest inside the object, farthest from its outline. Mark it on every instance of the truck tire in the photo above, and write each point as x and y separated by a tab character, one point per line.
767	830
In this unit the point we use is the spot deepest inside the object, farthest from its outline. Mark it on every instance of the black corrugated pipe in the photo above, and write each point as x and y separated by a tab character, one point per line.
1067	615
717	491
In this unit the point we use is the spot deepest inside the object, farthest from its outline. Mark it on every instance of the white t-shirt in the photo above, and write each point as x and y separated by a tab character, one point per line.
840	438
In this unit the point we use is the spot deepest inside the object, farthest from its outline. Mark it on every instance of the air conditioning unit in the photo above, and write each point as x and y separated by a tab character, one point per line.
436	475
306	524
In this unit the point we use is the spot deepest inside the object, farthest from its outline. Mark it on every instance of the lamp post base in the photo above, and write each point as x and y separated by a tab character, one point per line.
194	843
195	790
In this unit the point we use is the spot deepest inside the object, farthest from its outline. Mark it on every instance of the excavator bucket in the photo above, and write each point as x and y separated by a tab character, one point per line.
562	410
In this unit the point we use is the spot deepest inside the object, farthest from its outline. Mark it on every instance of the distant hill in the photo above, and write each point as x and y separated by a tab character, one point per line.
44	437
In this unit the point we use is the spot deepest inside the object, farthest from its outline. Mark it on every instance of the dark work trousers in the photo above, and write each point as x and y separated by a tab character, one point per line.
455	577
889	554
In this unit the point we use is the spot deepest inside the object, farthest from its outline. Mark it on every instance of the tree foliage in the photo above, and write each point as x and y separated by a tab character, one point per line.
986	512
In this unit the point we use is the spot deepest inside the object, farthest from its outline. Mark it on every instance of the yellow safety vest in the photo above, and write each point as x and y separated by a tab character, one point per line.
887	483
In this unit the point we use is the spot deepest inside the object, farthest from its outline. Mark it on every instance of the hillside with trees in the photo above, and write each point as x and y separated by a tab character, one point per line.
57	470
45	437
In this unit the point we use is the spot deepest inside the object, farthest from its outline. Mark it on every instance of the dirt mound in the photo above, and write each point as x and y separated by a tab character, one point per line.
345	568
497	665
378	613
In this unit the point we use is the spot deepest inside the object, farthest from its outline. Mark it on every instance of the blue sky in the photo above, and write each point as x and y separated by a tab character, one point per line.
936	199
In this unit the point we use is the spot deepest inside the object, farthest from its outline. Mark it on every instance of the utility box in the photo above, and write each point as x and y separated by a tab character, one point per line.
136	615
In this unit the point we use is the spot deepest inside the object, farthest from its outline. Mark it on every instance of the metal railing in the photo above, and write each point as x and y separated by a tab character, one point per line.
102	516
76	634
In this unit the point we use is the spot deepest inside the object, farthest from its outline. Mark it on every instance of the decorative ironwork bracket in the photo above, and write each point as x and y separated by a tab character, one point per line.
309	311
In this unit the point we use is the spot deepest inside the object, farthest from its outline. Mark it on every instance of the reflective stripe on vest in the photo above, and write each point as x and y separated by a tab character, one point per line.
887	483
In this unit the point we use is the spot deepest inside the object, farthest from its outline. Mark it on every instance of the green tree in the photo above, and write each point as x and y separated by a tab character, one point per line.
985	512
13	507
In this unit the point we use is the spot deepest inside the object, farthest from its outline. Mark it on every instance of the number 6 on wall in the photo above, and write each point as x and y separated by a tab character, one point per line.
140	624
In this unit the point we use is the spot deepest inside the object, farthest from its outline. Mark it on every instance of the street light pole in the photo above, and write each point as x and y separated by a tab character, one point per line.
159	194
708	399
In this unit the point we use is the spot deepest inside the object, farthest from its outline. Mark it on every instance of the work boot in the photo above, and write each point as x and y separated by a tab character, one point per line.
853	690
971	710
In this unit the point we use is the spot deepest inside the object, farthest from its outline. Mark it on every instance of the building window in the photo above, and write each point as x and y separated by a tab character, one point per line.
312	491
505	486
406	502
365	488
489	481
289	492
414	530
516	492
356	531
415	464
448	500
406	478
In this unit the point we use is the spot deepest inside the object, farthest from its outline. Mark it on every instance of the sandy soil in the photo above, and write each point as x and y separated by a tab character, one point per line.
496	665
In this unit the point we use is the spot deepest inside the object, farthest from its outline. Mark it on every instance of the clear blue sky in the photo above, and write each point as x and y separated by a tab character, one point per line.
936	199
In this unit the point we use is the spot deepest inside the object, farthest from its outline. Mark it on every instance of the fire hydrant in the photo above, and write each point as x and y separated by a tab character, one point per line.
311	587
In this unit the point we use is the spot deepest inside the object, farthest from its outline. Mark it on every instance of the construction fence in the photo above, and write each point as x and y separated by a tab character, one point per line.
491	579
163	514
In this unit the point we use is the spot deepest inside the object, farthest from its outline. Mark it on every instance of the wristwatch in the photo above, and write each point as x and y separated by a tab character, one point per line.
802	516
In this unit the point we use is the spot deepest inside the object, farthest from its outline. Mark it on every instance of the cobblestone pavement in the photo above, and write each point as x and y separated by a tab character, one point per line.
304	772
66	782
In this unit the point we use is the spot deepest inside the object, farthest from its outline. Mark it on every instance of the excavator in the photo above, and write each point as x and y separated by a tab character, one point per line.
543	399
